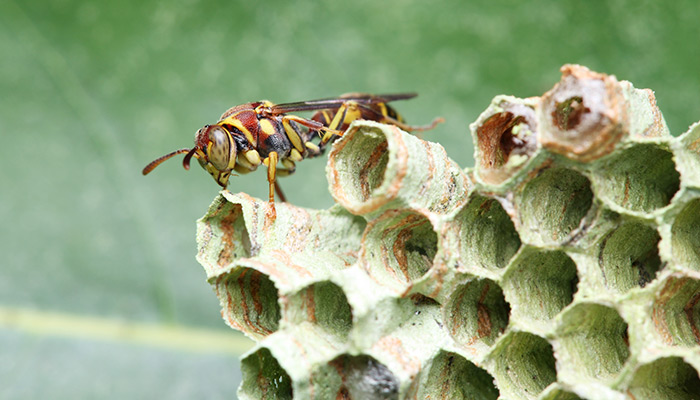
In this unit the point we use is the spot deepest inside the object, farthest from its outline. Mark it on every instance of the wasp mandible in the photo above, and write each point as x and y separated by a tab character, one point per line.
261	132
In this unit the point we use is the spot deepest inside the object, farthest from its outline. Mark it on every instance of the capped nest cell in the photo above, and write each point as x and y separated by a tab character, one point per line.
564	265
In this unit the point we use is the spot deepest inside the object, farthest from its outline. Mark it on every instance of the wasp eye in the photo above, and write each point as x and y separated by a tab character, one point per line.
219	149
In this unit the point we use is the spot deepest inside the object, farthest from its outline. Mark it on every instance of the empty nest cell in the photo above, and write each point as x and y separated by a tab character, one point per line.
628	256
249	302
539	284
354	377
523	365
399	247
592	343
450	376
487	236
552	205
668	378
477	314
263	377
676	310
322	304
641	178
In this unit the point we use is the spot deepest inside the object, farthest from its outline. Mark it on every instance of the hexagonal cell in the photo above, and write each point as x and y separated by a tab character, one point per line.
523	365
505	138
376	167
476	314
264	378
539	284
487	237
685	236
322	304
552	206
587	114
583	115
354	377
628	256
676	310
668	378
451	376
370	173
591	344
399	247
641	178
249	302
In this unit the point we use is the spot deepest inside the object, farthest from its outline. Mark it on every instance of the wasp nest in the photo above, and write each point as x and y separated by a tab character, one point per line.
565	265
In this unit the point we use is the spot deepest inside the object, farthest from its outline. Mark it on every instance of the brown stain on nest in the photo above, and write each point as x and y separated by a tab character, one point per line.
406	234
339	364
495	139
626	197
310	304
658	313
485	206
689	309
394	347
694	146
445	377
405	226
484	324
227	310
655	130
252	286
241	283
229	242
369	167
286	259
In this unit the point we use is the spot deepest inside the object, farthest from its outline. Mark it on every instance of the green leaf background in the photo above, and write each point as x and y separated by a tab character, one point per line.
100	294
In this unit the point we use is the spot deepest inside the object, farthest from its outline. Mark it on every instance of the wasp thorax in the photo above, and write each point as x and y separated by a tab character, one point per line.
220	150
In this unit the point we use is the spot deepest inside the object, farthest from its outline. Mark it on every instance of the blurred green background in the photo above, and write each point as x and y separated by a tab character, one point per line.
100	294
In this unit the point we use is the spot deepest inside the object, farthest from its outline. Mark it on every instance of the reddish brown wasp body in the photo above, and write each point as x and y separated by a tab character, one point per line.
261	132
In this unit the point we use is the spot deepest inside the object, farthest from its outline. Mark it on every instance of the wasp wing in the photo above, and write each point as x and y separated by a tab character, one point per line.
336	102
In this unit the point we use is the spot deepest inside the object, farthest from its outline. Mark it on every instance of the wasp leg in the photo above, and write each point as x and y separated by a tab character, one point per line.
242	169
280	194
309	123
271	162
313	150
346	113
292	133
289	168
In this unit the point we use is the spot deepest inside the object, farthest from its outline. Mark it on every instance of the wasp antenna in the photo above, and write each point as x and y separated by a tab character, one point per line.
188	157
159	160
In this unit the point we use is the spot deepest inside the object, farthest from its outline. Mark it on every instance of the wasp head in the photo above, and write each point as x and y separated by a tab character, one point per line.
214	149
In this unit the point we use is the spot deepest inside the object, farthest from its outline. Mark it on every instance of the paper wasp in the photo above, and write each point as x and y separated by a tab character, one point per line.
261	132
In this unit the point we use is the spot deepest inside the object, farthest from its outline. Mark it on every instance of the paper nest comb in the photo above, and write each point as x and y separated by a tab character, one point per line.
565	265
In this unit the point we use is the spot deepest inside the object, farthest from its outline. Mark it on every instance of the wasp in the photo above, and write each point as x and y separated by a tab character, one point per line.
263	133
